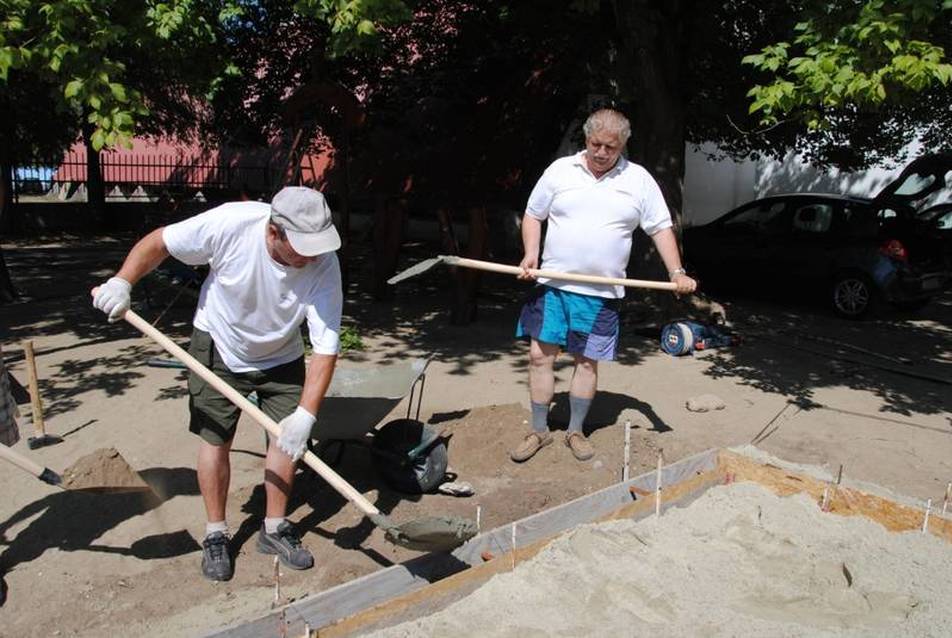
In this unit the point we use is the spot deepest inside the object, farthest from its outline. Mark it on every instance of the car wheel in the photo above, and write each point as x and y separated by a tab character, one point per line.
854	295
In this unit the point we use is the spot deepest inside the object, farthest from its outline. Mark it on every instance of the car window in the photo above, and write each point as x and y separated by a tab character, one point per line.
944	222
860	221
813	218
915	184
762	217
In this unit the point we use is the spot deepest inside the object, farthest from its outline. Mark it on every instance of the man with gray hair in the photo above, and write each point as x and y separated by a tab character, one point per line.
592	201
272	267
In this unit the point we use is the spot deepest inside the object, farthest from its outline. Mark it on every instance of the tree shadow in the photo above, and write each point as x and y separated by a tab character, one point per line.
792	351
72	521
416	323
606	410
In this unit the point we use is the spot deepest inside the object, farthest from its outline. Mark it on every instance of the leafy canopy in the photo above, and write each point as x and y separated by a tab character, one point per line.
862	54
99	55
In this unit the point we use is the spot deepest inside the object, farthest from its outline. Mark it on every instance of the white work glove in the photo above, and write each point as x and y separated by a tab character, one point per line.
295	431
113	298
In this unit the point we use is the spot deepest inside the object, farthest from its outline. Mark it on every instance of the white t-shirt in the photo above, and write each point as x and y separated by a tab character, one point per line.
252	306
591	220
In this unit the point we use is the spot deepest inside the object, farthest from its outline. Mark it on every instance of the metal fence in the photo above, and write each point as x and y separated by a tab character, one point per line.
146	172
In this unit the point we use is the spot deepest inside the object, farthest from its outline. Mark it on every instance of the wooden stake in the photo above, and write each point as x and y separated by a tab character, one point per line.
39	427
624	469
277	584
824	502
945	501
925	519
479	516
513	546
657	505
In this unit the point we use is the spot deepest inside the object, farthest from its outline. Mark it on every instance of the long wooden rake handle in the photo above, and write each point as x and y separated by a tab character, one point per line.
45	474
552	274
344	488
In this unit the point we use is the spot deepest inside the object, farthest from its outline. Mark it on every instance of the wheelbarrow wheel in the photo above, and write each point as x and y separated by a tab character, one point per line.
403	463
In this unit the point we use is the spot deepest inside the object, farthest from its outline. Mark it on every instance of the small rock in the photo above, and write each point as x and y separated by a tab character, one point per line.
597	465
705	403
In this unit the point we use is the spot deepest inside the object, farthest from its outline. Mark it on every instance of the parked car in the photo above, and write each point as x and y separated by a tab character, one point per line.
856	252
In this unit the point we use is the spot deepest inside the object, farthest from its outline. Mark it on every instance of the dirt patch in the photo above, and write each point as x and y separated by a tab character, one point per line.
103	470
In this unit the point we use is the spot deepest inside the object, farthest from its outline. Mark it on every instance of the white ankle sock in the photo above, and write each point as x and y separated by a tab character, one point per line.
271	524
217	526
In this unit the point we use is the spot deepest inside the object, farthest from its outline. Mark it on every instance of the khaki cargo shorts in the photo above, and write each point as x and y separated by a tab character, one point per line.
212	416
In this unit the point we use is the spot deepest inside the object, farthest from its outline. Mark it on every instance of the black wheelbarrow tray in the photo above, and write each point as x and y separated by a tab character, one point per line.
410	456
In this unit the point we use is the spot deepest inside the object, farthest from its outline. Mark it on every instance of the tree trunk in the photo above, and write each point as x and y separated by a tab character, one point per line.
95	188
648	72
389	222
8	291
467	279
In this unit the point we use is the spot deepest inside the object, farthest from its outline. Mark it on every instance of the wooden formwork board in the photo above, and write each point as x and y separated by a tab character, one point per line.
430	583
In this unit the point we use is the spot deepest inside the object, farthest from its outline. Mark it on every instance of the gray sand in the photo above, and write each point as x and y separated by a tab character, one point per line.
739	561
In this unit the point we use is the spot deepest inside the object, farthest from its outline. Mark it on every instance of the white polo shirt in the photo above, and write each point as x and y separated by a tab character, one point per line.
252	306
591	221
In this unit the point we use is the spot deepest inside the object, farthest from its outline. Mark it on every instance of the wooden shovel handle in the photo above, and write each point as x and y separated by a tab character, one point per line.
344	488
552	274
21	461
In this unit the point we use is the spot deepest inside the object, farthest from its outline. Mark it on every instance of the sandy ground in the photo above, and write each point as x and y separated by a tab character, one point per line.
90	564
737	561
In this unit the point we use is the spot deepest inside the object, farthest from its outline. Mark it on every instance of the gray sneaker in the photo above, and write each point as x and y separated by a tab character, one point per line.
286	544
216	561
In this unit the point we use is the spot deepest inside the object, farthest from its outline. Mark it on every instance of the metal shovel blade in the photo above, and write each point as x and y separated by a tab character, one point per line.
428	534
416	269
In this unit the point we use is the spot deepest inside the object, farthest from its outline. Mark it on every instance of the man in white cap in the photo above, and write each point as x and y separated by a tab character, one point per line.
271	268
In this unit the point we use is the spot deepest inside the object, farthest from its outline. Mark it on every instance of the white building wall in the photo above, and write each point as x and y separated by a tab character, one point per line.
712	188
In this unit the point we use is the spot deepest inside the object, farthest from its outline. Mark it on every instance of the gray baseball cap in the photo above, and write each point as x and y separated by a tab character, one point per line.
306	219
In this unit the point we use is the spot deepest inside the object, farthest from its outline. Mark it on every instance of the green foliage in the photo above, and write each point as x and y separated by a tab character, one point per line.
350	339
853	54
120	64
354	24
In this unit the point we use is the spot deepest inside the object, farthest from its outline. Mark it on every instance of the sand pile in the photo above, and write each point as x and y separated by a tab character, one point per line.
103	469
738	561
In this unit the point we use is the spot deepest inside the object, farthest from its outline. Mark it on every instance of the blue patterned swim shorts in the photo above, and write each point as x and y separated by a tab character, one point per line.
581	324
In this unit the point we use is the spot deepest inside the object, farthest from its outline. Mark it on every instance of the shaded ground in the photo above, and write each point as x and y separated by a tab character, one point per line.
100	563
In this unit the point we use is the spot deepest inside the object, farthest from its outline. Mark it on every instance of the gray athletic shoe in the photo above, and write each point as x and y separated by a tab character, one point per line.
286	544
216	561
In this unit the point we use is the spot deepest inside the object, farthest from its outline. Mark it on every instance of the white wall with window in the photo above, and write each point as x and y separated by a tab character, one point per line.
713	187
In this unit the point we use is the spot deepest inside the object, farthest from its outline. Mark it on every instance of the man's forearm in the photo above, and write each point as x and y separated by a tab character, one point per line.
531	235
667	245
145	256
319	374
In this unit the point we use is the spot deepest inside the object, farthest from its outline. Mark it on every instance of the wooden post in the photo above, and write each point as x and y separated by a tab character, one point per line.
624	469
513	566
39	427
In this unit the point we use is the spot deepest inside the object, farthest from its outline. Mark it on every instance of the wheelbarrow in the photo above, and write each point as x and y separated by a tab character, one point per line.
409	455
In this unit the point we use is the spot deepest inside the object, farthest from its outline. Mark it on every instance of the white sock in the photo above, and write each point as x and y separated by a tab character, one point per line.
271	524
217	526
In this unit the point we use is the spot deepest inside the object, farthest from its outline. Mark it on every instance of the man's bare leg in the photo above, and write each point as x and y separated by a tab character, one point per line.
541	387
278	479
581	393
541	376
214	476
